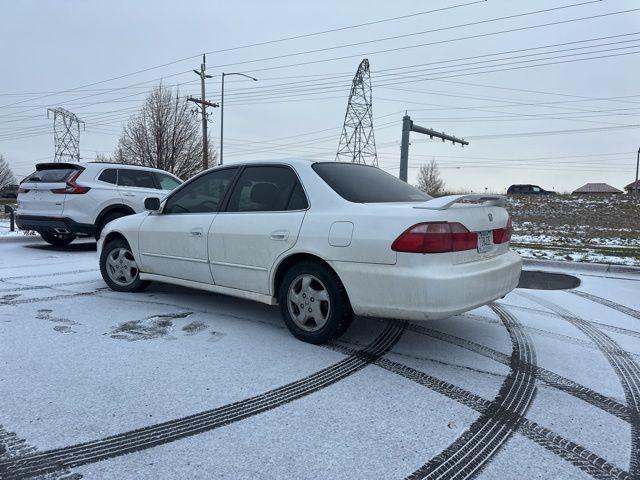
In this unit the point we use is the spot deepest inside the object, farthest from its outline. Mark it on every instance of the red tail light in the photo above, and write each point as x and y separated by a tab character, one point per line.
23	190
503	235
72	187
436	237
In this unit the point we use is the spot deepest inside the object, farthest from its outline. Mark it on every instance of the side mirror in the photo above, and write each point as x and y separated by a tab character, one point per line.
152	204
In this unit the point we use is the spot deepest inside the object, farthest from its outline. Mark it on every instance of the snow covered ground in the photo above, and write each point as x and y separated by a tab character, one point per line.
175	383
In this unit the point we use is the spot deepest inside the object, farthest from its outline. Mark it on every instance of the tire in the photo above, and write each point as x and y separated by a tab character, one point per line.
57	239
119	269
109	217
309	290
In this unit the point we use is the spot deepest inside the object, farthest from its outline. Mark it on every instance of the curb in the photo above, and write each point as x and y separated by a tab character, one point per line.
582	266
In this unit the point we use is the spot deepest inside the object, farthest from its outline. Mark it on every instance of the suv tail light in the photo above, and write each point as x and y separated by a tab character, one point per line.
20	189
503	235
436	237
72	187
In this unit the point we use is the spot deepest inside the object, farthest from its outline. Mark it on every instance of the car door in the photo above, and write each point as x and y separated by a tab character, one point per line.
260	221
173	242
135	185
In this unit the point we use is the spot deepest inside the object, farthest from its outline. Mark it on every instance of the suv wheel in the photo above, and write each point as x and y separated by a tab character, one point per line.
314	303
119	268
57	239
110	217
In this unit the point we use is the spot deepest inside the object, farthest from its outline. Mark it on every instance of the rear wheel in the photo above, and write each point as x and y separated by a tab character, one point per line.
57	239
314	303
119	268
110	217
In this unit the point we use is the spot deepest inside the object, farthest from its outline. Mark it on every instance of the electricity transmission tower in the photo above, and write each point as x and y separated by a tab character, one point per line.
66	134
357	142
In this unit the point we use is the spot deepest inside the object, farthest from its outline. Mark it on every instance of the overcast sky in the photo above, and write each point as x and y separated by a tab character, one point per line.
559	125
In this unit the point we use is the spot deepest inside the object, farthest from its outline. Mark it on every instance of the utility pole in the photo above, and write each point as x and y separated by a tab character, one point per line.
407	127
203	110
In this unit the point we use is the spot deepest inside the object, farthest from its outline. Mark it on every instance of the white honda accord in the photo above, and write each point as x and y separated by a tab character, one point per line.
324	240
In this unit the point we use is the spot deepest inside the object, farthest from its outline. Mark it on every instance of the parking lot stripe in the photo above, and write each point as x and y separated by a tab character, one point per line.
89	452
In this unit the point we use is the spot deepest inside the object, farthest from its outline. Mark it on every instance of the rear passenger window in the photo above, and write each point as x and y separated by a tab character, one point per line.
136	178
166	182
267	189
298	200
110	175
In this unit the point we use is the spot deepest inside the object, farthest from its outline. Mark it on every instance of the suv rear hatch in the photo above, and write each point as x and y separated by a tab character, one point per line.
36	196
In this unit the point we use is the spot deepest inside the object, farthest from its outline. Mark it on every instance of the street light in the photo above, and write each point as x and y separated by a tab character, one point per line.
637	167
222	110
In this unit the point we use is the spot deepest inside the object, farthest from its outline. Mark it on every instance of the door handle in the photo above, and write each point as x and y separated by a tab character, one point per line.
196	232
128	194
279	235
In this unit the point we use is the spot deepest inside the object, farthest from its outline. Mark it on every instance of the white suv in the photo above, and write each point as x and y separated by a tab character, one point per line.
62	200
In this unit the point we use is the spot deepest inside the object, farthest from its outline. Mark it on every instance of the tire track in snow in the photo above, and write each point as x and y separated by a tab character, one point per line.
603	301
552	379
575	454
602	326
50	298
472	451
623	365
50	274
147	437
12	446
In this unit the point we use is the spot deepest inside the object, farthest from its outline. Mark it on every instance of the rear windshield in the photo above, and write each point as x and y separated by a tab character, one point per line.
51	175
364	184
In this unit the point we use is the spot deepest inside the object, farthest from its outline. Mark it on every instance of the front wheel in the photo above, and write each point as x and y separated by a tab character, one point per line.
314	303
119	268
57	239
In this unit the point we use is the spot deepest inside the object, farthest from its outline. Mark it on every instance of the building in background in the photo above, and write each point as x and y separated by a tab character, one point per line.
633	187
596	189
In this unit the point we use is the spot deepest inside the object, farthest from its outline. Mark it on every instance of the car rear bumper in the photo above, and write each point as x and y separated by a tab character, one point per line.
427	292
59	224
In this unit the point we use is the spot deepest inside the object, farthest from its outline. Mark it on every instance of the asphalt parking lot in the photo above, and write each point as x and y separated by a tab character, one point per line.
176	383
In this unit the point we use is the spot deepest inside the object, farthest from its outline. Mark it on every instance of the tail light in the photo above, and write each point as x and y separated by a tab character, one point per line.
23	190
503	235
436	237
72	187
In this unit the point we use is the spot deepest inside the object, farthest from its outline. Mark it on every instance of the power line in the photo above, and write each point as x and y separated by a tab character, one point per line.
268	42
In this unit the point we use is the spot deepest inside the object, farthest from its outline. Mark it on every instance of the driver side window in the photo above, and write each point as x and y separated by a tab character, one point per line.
203	195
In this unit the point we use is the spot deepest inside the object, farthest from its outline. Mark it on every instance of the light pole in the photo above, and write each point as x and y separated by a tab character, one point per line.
222	110
637	166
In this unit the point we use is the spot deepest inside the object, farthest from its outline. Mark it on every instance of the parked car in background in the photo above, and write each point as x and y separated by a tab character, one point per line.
9	191
63	200
324	240
528	190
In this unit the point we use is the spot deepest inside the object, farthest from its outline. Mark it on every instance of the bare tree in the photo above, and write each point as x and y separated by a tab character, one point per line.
429	180
164	134
6	175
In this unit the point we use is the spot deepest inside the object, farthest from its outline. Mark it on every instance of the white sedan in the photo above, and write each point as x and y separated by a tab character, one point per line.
324	240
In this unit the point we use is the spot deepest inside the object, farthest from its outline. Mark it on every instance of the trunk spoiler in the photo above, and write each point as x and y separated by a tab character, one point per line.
442	203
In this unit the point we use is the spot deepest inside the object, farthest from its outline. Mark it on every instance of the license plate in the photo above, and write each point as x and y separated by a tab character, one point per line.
485	241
